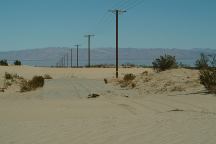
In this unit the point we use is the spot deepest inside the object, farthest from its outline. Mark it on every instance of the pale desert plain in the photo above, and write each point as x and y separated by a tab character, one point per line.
170	107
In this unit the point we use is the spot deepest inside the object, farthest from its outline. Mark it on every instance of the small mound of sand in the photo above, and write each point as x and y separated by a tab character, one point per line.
175	80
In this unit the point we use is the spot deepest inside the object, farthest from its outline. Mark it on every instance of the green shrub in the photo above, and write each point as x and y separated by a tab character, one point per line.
17	62
3	63
208	79
164	63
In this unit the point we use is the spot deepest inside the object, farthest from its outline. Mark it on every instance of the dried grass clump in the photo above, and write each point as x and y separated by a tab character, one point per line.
145	73
128	81
129	77
36	82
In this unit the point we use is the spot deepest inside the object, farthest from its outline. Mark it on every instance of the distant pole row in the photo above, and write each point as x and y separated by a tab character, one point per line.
62	63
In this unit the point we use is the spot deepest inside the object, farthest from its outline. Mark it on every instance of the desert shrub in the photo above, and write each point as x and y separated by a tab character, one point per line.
164	63
129	77
3	63
105	81
202	62
128	81
208	79
25	86
17	62
207	64
36	82
8	76
47	76
133	85
145	73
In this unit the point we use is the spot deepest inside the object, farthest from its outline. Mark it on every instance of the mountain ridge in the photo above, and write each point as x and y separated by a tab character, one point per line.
142	56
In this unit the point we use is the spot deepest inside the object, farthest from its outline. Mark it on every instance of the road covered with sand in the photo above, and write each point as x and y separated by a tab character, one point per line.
170	107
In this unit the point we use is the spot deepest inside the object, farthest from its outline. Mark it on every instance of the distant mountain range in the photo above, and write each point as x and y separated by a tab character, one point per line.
50	56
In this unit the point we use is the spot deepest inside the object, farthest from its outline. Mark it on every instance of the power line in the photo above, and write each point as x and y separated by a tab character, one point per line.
135	4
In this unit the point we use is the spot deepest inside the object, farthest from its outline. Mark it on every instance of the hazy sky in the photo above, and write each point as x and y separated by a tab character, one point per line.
27	24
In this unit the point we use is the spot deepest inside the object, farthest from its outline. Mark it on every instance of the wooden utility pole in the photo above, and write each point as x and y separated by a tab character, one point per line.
117	12
89	52
77	55
71	57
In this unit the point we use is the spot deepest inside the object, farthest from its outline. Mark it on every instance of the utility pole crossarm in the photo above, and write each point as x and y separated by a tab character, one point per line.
117	10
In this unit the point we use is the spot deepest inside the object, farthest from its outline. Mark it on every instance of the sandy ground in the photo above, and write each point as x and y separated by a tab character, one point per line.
166	108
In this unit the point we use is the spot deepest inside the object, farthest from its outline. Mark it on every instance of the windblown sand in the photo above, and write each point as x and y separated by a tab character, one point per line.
164	108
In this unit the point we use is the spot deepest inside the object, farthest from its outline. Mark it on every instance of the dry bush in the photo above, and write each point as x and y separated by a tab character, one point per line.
128	81
129	77
36	82
105	81
145	73
25	86
8	76
47	76
208	79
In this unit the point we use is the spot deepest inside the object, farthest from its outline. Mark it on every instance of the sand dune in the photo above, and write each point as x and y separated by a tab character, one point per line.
166	108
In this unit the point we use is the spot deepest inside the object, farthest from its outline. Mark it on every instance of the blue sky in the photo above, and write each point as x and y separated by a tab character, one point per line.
28	24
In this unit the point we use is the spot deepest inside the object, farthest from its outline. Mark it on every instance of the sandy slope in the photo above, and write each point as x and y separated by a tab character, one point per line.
60	113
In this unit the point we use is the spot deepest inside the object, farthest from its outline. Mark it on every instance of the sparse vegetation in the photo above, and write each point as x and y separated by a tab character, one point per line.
164	63
17	63
202	62
47	76
208	79
145	73
206	64
103	66
105	81
128	81
128	65
129	77
3	63
8	76
36	82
